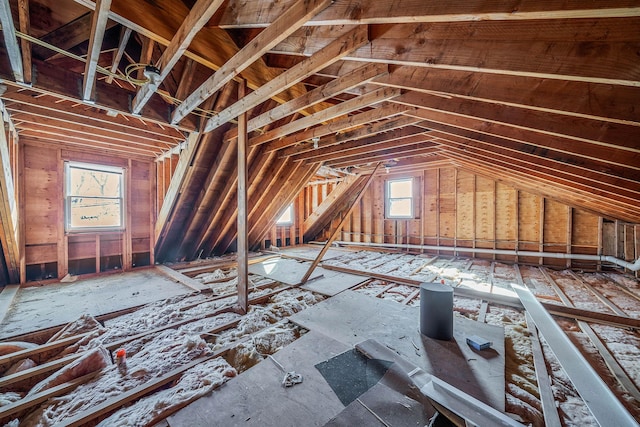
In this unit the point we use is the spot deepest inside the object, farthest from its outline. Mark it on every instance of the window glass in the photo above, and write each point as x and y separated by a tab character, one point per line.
287	216
93	197
399	198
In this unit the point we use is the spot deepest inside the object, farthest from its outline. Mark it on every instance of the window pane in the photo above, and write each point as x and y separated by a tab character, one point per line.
286	217
85	182
399	189
400	208
95	212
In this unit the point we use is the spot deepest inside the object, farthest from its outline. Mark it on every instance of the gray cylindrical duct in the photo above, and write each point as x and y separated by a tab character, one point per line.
436	311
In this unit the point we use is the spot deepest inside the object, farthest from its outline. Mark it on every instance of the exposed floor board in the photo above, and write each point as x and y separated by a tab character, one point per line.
283	270
392	407
332	282
257	398
6	298
351	317
57	304
310	252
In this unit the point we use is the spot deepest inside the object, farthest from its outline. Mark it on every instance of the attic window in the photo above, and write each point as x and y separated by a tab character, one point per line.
287	216
93	197
399	198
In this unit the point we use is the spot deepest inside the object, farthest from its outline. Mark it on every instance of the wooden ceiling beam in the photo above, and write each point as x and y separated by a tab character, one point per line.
288	22
186	78
385	111
561	192
583	177
125	34
25	46
98	28
198	16
370	133
354	104
10	41
581	130
84	131
44	131
383	141
584	155
47	105
64	84
426	147
516	56
343	83
336	50
342	12
59	139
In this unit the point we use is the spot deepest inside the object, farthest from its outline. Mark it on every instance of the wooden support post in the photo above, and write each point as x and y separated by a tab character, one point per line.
336	231
242	239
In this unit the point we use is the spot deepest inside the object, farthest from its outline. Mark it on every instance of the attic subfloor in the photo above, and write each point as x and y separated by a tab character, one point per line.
182	346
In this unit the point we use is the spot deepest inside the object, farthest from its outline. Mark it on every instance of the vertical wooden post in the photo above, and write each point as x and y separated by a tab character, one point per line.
242	239
63	239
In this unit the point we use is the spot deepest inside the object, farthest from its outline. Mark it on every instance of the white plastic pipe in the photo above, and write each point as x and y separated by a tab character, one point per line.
633	266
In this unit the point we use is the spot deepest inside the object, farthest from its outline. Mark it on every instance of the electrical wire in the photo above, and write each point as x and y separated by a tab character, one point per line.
200	112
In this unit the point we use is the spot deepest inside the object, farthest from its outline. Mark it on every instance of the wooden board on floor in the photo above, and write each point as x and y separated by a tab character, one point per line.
310	252
351	317
36	308
331	283
283	270
392	407
257	398
6	298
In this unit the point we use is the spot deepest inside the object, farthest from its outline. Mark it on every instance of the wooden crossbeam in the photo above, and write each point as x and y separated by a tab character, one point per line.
25	28
338	110
10	41
198	16
281	28
414	150
239	14
98	27
125	34
385	110
405	136
343	83
370	133
333	52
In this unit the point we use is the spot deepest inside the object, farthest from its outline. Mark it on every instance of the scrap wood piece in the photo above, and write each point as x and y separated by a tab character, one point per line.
7	296
602	403
549	409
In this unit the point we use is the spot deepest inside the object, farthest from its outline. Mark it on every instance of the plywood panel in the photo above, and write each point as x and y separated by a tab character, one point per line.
506	220
430	203
447	206
485	212
585	232
465	208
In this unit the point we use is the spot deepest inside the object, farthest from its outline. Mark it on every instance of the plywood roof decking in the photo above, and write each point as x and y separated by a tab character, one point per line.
540	95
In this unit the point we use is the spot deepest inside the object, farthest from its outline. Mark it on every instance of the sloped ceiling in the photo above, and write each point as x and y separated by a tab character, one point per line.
543	95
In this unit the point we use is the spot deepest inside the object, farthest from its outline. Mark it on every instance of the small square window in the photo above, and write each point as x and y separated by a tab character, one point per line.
399	198
287	216
93	197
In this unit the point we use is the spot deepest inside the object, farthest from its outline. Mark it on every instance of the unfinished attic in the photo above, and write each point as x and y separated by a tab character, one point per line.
319	213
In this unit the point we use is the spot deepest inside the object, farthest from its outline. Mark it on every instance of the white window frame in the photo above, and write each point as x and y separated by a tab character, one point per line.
67	196
289	209
388	199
